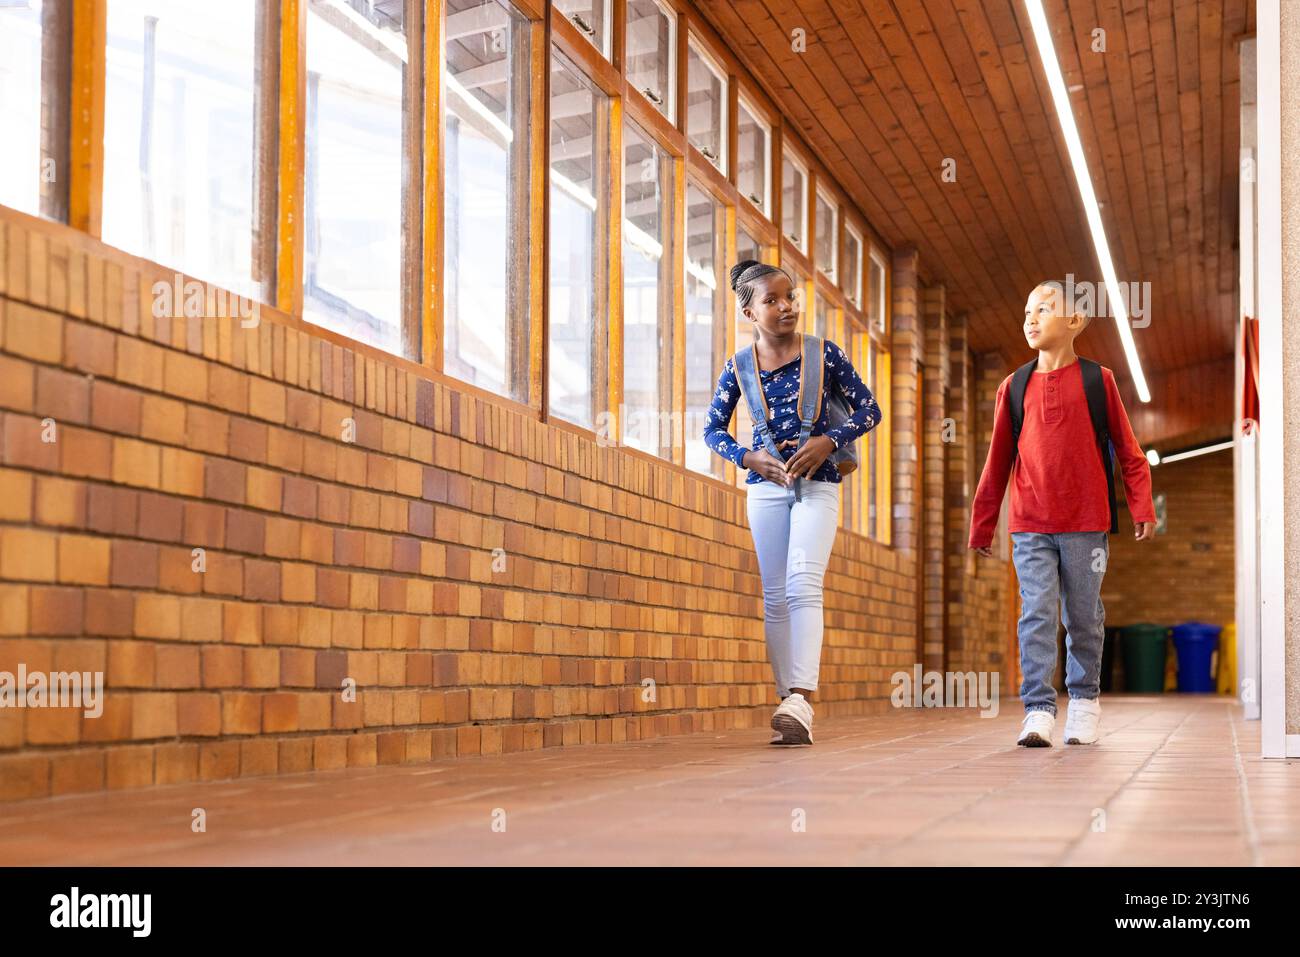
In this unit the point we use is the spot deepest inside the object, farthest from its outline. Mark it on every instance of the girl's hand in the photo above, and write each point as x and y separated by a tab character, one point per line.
770	468
986	551
809	458
1144	531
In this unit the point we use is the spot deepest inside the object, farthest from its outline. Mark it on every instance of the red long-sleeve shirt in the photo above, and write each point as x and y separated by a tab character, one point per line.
1058	481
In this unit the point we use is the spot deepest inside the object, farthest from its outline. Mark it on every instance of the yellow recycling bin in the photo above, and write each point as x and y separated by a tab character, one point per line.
1226	675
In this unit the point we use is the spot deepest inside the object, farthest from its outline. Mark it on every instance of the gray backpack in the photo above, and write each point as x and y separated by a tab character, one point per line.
845	458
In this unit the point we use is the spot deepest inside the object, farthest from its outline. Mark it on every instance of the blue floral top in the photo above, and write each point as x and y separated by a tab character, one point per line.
781	387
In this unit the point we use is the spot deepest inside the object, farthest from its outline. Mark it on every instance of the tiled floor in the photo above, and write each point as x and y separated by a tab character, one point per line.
1174	780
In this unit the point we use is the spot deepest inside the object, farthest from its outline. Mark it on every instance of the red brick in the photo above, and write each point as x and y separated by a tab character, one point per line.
199	714
161	517
204	525
241	713
129	767
77	772
112	510
176	666
57	611
225	481
134	564
62	396
223	666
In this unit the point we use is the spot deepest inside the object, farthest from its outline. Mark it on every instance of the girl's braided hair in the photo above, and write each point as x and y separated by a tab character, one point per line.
745	273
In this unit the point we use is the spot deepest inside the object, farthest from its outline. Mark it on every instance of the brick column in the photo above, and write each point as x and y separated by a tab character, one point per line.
934	322
959	486
905	349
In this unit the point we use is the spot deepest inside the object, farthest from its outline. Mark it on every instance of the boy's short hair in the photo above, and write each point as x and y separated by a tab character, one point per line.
1059	286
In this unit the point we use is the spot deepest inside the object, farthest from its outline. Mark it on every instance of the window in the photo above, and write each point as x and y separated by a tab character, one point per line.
35	64
827	235
705	332
800	297
579	212
647	293
180	144
753	158
357	163
706	106
877	311
821	316
486	207
652	53
852	265
591	17
794	201
873	437
747	246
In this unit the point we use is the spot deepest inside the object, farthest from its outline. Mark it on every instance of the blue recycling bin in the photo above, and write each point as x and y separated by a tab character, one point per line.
1195	643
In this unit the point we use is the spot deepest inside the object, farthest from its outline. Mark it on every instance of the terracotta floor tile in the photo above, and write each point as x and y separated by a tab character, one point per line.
900	788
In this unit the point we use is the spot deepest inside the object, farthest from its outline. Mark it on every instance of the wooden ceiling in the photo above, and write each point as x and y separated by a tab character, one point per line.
888	89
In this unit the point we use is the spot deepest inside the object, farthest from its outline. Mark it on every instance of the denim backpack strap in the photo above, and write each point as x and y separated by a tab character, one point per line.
746	363
810	394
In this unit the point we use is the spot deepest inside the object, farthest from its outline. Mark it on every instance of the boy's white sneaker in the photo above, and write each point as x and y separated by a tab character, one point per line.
1082	721
793	720
1036	731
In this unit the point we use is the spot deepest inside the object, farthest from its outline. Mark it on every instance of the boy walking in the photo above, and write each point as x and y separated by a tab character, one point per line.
1052	420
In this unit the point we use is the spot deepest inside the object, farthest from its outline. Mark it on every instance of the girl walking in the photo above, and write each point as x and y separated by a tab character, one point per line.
793	502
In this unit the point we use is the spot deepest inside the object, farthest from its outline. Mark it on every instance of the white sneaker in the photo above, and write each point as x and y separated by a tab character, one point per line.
1082	720
793	719
1036	731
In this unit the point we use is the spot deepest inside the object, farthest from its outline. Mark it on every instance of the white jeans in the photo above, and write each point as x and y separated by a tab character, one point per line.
793	541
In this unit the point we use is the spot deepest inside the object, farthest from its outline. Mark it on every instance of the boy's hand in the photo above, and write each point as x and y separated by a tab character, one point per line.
1144	531
772	469
986	551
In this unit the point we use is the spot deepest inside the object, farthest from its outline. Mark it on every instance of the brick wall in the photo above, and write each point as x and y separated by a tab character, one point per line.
374	559
934	320
981	592
1185	574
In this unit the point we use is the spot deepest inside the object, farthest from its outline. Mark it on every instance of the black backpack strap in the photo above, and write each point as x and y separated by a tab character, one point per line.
1016	401
1094	387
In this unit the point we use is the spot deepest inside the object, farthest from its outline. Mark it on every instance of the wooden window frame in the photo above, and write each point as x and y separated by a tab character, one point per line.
791	157
548	28
854	295
821	194
764	122
669	110
718	67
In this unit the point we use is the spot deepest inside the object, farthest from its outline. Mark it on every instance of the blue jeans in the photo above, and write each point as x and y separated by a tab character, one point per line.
793	540
1060	574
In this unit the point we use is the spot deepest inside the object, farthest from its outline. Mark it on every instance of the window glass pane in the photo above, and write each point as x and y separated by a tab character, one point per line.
827	235
180	159
753	158
647	293
705	333
747	246
652	53
354	172
591	17
35	47
794	195
876	310
821	319
485	218
577	176
852	267
706	108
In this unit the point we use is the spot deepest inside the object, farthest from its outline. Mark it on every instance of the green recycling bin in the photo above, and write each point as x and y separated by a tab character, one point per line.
1145	646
